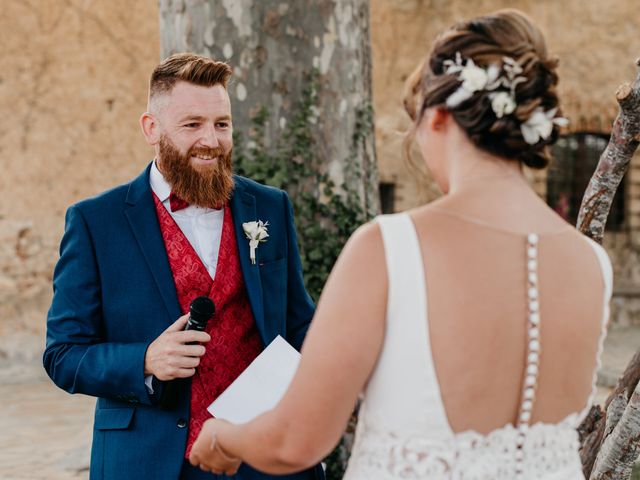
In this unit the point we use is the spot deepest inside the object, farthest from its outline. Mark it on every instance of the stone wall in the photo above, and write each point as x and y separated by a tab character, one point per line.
72	87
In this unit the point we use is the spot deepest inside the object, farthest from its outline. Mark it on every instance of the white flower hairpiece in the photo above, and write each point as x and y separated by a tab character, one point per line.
503	102
539	125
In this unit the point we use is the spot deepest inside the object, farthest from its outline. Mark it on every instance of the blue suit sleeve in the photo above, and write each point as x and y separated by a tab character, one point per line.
78	357
300	307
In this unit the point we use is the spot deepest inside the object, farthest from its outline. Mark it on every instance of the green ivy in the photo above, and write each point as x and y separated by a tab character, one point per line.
326	214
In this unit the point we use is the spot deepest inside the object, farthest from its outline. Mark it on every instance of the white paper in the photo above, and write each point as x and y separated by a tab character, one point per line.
261	386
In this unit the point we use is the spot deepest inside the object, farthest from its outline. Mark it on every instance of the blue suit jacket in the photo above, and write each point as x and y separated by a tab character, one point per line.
114	294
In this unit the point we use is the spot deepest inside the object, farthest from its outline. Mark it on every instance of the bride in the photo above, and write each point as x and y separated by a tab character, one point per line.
472	325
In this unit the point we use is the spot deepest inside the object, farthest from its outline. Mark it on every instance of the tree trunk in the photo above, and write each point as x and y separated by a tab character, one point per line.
274	47
302	114
610	440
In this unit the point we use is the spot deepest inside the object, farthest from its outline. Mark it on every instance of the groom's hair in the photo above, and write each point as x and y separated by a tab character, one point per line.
187	67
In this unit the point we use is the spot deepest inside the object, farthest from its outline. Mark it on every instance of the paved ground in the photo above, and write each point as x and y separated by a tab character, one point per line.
45	433
621	344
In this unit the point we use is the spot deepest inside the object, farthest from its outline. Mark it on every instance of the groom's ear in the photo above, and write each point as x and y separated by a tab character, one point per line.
150	128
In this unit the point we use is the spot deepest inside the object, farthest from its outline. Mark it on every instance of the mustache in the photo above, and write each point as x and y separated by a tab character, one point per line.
206	151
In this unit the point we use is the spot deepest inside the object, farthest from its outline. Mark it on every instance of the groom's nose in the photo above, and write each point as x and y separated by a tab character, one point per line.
209	137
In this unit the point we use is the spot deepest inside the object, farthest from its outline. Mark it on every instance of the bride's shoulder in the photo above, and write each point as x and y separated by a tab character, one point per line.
360	270
367	238
363	255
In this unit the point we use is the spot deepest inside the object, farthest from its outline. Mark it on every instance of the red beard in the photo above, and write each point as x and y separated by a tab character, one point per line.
208	186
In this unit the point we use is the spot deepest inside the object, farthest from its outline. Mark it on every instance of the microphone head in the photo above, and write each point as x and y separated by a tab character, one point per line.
201	310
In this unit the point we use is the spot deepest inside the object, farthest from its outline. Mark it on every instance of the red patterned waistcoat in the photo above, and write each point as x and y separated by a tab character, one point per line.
235	341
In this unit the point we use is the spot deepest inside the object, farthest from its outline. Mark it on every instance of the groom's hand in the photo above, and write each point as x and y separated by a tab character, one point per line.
169	356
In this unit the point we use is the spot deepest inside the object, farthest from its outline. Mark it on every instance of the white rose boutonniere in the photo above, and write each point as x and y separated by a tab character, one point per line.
256	232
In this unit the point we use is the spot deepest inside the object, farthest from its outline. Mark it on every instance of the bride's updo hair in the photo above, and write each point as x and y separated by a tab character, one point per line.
486	41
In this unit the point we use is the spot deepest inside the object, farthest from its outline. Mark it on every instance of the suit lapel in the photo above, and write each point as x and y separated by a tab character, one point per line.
243	209
140	211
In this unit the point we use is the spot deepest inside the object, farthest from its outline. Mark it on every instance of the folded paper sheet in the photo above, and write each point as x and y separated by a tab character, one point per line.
261	386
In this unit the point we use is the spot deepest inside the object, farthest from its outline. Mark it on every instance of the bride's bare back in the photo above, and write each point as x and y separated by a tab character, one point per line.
476	276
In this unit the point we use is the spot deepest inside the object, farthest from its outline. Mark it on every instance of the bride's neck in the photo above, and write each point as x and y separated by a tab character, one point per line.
473	169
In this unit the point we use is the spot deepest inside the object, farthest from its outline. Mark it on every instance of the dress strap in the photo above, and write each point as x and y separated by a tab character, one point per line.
407	341
607	277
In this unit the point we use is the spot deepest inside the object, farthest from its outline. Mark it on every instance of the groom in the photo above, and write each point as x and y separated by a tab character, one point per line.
133	258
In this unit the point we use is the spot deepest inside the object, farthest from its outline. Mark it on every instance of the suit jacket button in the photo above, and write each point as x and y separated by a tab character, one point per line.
182	423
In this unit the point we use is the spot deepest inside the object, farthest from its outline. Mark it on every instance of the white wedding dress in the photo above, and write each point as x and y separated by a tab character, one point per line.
403	431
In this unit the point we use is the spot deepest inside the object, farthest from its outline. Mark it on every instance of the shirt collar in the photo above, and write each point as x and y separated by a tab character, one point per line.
159	185
162	189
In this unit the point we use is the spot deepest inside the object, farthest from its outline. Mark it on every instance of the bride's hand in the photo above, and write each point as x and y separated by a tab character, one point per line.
208	455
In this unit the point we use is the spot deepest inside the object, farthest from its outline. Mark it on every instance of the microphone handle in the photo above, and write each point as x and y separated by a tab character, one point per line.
191	325
170	393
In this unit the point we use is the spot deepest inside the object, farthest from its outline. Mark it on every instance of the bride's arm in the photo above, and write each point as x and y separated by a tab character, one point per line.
338	355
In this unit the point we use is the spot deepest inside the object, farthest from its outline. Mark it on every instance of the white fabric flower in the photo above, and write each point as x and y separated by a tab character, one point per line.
502	103
255	232
540	125
473	78
457	97
453	66
494	80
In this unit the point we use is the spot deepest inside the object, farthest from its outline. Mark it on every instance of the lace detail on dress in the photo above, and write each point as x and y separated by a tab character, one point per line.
550	452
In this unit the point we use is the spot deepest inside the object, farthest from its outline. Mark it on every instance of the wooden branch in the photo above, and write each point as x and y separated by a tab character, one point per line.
615	410
591	432
610	440
598	425
620	449
613	164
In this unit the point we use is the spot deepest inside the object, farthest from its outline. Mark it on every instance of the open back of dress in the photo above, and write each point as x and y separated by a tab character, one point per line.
447	396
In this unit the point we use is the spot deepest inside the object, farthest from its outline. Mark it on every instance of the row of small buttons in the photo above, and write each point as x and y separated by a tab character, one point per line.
533	351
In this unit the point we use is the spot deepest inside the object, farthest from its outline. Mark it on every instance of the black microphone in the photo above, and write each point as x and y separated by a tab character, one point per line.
201	310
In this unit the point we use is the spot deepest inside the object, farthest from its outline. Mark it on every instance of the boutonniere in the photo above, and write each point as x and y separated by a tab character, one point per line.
256	232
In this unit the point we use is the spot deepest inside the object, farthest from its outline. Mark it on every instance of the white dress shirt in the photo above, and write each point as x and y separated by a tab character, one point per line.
201	226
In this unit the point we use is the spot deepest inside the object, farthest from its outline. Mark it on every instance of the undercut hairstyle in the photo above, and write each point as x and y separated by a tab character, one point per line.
187	67
486	40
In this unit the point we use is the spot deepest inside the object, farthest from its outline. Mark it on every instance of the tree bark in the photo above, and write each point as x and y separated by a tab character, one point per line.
621	444
613	164
280	51
273	47
610	440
